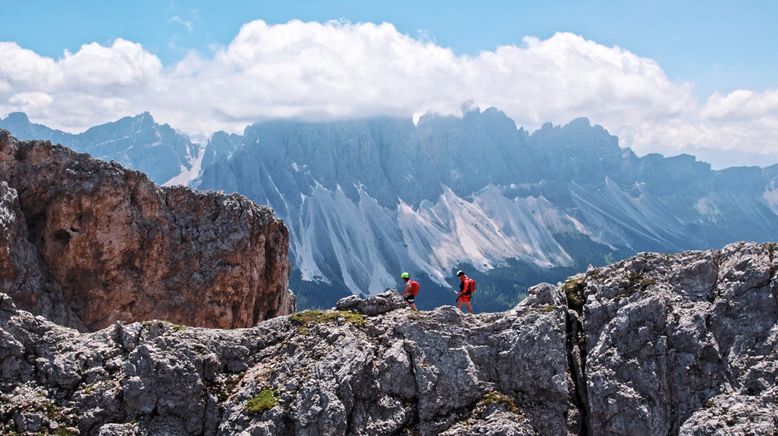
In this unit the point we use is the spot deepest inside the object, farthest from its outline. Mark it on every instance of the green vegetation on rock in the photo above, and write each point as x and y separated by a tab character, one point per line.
265	400
326	316
495	397
639	282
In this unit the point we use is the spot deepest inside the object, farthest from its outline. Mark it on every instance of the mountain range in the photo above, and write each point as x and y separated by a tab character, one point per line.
135	142
367	199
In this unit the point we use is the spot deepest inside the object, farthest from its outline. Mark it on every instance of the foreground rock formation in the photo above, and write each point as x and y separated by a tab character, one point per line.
656	344
85	243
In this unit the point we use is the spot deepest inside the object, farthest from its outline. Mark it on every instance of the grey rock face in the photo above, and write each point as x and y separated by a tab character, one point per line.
657	344
671	341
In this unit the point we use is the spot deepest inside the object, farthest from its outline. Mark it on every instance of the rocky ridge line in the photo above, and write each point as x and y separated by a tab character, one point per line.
656	344
85	243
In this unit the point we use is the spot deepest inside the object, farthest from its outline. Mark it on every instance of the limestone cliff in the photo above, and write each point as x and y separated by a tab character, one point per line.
656	344
85	243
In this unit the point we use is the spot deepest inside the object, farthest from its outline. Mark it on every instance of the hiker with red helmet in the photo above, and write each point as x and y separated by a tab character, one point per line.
466	289
411	289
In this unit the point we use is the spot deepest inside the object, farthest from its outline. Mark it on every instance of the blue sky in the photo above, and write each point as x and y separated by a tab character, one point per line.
665	76
715	45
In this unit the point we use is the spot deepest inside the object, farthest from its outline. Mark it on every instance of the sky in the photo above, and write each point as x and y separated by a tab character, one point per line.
665	76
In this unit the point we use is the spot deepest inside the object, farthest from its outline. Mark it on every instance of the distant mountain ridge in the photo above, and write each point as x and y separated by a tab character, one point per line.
367	199
128	141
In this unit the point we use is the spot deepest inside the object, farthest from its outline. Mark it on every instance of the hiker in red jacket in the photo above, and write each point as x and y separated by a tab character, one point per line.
466	289
411	289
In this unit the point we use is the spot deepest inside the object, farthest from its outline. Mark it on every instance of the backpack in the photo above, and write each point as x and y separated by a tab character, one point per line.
470	286
414	287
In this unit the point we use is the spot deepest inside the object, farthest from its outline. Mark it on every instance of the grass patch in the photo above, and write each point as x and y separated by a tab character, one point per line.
546	308
574	292
66	431
495	397
161	326
265	400
309	317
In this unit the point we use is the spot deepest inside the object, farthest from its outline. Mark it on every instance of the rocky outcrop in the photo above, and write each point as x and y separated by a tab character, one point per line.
657	344
21	273
384	302
86	243
681	344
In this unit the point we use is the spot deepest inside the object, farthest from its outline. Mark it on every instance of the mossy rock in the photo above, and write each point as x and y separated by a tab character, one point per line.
265	400
308	317
639	282
496	397
574	292
162	326
546	308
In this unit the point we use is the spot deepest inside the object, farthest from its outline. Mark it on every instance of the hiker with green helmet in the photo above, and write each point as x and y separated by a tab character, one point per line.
411	289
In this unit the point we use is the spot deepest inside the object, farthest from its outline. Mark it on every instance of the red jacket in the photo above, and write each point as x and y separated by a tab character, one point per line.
412	287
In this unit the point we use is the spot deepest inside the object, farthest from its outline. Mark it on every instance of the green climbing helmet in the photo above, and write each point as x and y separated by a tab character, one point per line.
405	275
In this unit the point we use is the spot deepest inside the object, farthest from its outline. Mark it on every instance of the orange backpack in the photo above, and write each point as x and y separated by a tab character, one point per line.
470	287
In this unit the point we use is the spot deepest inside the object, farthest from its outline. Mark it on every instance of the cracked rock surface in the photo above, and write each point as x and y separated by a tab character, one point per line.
85	243
656	344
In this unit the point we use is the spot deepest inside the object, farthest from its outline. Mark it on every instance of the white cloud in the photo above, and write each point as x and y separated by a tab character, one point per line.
25	70
123	64
338	70
31	101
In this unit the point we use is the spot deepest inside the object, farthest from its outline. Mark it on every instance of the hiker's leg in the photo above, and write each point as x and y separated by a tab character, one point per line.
413	306
469	307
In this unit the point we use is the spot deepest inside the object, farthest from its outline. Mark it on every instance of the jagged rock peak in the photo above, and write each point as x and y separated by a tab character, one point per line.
656	344
86	242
